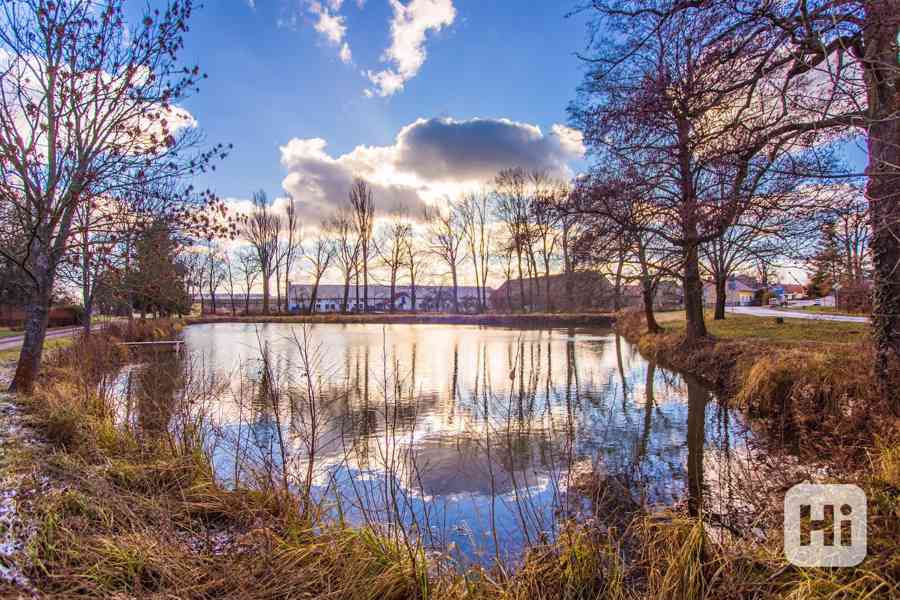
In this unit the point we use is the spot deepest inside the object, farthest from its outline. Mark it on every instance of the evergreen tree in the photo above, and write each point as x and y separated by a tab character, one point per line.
826	263
158	280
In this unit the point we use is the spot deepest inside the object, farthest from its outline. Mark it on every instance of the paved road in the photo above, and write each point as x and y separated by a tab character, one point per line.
11	343
758	311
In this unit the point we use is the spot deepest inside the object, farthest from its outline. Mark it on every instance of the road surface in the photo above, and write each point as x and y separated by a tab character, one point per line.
759	311
13	342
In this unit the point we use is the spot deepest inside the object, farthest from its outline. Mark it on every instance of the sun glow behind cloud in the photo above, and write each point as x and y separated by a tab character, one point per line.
430	160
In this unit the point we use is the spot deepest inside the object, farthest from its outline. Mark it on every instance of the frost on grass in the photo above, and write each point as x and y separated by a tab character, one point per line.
15	530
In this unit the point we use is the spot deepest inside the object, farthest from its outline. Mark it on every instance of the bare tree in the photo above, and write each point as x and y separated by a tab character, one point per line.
362	205
87	110
414	259
262	228
214	270
511	206
347	250
249	271
320	256
292	245
446	235
230	283
391	245
668	100
474	214
543	216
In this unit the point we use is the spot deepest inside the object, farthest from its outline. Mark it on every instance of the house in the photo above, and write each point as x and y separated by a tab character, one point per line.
330	298
794	291
669	295
739	291
578	291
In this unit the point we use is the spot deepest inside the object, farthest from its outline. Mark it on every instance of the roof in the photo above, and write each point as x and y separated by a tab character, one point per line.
381	292
793	288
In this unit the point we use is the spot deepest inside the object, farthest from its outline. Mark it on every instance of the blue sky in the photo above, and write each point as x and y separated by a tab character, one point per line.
273	78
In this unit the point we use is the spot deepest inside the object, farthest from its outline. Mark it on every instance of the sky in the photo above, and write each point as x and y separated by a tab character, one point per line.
422	97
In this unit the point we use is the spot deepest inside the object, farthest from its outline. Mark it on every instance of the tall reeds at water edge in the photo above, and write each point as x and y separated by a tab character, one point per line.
139	505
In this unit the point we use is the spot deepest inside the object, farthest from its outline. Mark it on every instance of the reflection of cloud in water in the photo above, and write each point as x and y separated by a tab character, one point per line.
480	425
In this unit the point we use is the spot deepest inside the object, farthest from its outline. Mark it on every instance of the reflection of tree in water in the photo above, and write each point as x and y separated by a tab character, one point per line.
510	416
154	389
696	441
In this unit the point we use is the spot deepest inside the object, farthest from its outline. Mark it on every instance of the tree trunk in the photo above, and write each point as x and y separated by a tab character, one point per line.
521	280
455	290
36	314
346	299
883	190
287	287
567	267
617	286
696	436
549	306
647	297
277	290
266	284
693	294
87	294
88	316
313	296
477	281
365	282
393	289
721	296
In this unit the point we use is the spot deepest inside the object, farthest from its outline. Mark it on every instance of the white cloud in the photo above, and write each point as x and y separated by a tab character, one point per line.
332	26
430	159
345	54
409	27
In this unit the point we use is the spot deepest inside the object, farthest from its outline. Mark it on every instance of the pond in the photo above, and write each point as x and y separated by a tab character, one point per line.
477	440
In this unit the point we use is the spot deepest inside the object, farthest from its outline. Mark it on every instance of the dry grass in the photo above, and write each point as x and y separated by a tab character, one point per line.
129	516
9	357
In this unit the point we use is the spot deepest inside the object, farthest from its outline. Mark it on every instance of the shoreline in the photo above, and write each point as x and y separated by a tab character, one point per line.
602	320
168	527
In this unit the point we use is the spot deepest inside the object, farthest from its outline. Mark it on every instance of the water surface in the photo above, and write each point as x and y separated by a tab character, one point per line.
478	440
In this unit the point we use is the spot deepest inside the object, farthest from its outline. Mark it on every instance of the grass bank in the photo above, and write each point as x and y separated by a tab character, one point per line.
603	320
812	383
138	512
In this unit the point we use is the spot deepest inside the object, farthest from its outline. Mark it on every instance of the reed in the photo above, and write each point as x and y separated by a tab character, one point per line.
132	513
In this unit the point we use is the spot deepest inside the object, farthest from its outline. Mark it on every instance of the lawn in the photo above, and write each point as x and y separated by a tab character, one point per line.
5	332
9	357
824	310
792	330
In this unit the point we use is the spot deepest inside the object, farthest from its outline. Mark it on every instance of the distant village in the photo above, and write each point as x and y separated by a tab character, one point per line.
590	292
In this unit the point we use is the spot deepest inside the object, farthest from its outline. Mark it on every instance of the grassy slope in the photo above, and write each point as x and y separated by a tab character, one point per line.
737	327
823	310
9	357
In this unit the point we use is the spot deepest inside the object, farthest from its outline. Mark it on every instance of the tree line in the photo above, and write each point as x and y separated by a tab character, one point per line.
713	128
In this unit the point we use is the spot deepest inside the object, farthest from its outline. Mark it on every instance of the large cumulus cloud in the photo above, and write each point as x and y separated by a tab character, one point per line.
430	159
476	149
